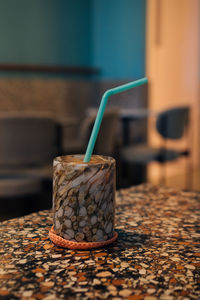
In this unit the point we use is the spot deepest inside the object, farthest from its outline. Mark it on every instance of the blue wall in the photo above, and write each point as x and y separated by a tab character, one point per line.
45	32
109	34
118	37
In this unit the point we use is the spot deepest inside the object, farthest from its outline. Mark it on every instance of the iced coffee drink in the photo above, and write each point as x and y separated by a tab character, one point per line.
84	198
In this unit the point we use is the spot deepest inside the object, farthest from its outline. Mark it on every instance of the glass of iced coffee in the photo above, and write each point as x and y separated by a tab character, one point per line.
84	201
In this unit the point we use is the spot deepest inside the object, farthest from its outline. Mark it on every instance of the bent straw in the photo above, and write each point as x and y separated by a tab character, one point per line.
101	110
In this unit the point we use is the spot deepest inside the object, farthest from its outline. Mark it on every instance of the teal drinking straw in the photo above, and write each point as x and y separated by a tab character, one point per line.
99	117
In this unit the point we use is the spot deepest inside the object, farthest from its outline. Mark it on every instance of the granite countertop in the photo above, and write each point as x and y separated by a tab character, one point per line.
156	256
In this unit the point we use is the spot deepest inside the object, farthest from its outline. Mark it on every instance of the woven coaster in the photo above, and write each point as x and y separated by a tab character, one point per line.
61	242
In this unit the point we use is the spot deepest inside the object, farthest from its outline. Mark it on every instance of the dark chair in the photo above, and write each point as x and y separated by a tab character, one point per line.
171	125
28	143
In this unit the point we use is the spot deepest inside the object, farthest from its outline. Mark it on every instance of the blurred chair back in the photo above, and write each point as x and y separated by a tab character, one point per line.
171	123
107	137
27	140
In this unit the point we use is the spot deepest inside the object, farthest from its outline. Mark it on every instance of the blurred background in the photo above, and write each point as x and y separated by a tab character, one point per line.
57	58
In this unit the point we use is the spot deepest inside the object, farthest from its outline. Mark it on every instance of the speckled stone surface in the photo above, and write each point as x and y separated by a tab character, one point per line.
156	256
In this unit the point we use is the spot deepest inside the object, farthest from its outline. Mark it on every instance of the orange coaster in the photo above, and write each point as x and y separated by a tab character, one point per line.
61	242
